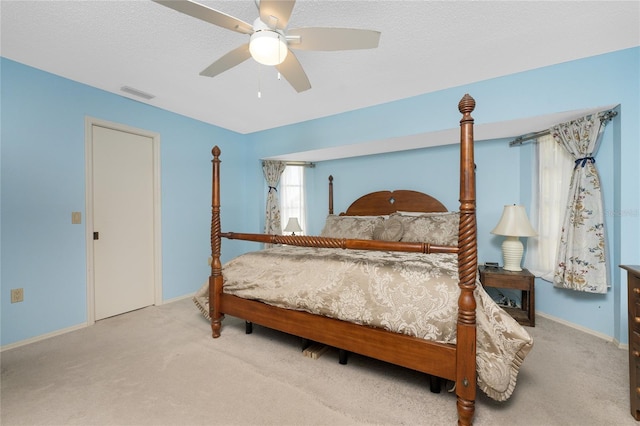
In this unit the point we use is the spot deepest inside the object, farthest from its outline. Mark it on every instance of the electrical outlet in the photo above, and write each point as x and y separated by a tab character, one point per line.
76	218
17	295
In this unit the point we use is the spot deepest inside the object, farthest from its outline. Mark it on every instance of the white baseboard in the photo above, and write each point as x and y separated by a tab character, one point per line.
584	330
176	299
42	337
73	328
624	346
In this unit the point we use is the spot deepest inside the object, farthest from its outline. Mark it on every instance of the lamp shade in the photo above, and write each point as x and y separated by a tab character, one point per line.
514	223
293	225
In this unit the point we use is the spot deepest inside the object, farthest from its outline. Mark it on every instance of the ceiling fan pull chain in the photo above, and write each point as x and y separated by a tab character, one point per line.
259	91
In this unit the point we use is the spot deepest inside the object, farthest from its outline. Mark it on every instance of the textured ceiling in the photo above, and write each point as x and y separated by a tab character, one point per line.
425	46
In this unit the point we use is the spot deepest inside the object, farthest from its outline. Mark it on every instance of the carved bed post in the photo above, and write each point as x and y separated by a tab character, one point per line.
467	270
330	194
215	279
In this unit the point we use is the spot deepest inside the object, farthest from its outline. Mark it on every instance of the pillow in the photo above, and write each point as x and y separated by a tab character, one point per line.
413	214
354	227
439	229
389	230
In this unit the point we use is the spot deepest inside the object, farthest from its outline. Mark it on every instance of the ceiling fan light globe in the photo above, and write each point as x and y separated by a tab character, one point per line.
268	47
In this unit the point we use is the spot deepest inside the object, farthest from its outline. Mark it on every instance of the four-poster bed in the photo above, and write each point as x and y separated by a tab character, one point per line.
454	360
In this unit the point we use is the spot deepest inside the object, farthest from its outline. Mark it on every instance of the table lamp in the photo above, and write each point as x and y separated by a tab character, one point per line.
293	226
513	224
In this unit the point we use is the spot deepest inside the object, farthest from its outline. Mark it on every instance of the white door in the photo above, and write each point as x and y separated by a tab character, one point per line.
123	221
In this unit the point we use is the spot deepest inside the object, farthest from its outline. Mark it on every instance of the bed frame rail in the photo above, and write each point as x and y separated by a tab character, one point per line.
348	336
343	243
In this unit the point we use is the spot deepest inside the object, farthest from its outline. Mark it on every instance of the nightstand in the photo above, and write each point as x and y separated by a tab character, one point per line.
522	280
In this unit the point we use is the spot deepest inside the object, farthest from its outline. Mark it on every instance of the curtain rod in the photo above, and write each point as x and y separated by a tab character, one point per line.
298	163
605	116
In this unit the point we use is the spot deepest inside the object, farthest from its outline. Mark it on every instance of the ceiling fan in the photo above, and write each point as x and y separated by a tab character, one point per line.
270	41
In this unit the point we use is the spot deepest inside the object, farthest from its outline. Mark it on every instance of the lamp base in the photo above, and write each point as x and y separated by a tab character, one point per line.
512	250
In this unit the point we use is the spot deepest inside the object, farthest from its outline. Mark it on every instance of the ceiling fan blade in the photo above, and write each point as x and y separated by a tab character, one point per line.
230	60
207	14
293	72
332	38
276	13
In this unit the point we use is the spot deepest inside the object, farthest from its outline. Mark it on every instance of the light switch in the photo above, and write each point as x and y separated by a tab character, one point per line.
76	218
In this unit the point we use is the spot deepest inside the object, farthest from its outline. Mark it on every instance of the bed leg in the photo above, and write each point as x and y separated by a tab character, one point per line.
466	410
435	384
215	290
248	327
343	356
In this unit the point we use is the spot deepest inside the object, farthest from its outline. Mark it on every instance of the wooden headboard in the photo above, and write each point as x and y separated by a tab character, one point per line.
387	202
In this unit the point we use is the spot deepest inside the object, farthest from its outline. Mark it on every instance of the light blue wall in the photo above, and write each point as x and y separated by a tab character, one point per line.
43	181
503	172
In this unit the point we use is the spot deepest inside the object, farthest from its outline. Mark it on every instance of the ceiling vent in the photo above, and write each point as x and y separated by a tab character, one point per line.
136	92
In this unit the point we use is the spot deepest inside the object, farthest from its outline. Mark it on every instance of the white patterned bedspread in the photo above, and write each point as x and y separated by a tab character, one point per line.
409	293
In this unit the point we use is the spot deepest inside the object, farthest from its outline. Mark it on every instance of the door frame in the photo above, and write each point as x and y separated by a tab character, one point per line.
157	228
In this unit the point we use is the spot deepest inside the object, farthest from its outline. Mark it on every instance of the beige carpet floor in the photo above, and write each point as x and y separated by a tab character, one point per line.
159	366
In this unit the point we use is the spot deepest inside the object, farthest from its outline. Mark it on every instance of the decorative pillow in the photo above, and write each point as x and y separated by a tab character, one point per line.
438	229
389	230
354	227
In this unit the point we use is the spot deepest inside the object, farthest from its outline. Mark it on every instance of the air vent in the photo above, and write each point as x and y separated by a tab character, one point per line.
136	92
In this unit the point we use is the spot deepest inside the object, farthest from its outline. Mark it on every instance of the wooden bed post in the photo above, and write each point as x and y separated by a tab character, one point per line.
467	270
330	194
215	279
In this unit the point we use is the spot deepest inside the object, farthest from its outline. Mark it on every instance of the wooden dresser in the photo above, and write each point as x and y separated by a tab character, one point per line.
633	279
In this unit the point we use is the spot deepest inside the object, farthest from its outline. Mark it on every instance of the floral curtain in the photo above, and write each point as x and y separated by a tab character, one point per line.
582	258
272	171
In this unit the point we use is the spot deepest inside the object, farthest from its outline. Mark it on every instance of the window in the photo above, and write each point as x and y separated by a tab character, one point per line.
552	174
292	198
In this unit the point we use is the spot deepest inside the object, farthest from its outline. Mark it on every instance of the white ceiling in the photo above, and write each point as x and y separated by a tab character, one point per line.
425	46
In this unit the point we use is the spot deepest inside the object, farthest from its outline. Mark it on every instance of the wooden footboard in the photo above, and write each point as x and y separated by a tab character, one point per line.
400	349
456	363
